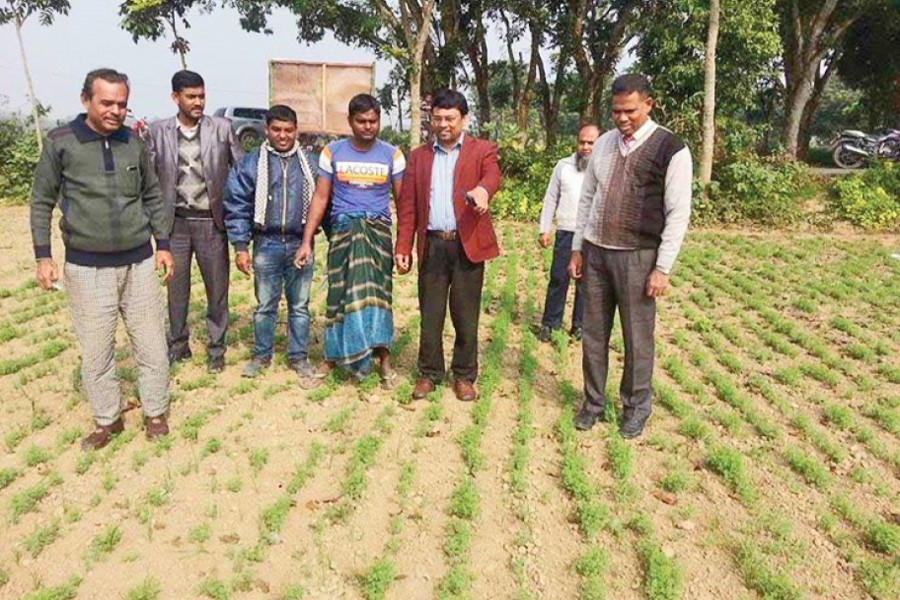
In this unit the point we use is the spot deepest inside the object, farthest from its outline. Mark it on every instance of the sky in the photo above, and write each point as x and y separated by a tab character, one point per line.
234	63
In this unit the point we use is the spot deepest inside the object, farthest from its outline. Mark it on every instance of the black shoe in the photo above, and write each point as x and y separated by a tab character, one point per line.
545	334
632	427
215	364
586	419
575	333
177	356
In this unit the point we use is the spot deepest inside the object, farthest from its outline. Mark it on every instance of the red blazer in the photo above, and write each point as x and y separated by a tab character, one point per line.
477	165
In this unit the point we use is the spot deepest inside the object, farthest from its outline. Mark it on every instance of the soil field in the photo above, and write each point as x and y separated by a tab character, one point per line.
770	467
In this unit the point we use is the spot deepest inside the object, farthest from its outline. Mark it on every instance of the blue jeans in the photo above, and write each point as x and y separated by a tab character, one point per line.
274	270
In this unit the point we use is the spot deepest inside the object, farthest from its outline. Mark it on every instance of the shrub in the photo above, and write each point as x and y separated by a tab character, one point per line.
870	199
753	189
18	157
526	173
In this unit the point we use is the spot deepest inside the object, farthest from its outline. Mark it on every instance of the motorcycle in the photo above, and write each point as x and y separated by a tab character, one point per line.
852	148
889	146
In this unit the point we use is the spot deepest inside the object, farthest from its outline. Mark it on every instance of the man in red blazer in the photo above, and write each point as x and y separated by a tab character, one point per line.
443	207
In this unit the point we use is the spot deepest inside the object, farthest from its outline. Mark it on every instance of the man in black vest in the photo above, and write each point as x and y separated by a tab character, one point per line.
632	217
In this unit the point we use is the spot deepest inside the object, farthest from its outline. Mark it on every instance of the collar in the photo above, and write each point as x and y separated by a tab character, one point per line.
183	128
457	145
643	131
85	134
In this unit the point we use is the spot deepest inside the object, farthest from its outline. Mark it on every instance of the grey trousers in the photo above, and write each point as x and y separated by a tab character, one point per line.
617	279
96	297
201	238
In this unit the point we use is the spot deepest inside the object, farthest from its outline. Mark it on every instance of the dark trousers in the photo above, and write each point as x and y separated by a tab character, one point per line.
617	279
445	274
558	286
199	237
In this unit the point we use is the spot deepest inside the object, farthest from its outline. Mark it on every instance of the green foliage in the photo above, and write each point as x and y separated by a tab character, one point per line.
662	575
870	199
148	589
67	591
758	190
377	579
526	173
18	158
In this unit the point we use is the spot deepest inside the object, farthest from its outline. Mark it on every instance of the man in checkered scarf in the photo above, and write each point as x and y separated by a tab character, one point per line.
267	202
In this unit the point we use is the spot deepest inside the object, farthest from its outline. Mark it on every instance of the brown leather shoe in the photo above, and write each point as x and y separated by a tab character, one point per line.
464	390
102	434
424	386
156	427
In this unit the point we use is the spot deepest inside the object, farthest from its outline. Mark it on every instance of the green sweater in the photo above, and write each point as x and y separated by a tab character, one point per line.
108	192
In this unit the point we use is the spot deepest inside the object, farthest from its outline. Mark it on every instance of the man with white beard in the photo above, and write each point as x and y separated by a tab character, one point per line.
561	204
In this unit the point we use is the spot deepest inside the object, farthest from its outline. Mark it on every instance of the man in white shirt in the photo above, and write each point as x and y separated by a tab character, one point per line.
561	204
632	218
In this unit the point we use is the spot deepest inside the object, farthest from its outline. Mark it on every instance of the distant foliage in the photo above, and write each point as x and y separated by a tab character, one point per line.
755	190
18	157
870	199
526	173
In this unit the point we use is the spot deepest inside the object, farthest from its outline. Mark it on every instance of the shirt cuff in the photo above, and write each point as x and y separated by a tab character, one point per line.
42	252
162	245
241	246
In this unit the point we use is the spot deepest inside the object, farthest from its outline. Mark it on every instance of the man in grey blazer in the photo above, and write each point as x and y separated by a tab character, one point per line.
193	154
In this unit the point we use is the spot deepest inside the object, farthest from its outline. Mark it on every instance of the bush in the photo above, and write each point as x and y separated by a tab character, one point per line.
18	157
753	189
870	199
526	173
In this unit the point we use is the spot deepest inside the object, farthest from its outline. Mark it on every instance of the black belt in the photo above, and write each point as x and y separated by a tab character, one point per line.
192	213
447	236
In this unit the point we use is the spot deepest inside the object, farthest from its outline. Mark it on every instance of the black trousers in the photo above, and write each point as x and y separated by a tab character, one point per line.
618	279
199	237
446	274
558	286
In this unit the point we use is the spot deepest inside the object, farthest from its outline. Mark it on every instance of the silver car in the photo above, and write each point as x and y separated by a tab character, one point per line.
248	124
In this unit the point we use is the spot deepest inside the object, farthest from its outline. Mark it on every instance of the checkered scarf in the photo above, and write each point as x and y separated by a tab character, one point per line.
262	180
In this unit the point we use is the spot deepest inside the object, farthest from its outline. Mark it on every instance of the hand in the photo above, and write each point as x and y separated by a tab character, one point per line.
575	265
402	262
480	195
544	240
46	273
303	256
165	262
657	282
243	263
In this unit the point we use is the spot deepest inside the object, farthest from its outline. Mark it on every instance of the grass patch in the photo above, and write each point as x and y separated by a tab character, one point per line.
104	543
375	582
149	589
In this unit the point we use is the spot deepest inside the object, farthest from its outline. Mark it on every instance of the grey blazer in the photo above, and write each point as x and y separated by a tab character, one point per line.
219	151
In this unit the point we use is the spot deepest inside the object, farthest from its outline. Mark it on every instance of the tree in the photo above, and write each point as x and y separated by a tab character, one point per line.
671	51
400	33
870	63
599	31
812	33
149	19
17	12
709	96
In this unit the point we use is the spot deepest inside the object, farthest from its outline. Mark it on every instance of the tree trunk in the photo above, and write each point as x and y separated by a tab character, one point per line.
808	37
798	97
524	105
35	112
709	97
415	84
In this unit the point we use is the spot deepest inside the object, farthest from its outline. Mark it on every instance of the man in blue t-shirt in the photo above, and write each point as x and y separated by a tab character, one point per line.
356	177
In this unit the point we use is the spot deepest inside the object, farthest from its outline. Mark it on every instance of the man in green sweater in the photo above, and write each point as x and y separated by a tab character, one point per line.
104	182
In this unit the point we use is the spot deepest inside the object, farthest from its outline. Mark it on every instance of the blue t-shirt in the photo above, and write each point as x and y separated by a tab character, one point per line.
361	181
